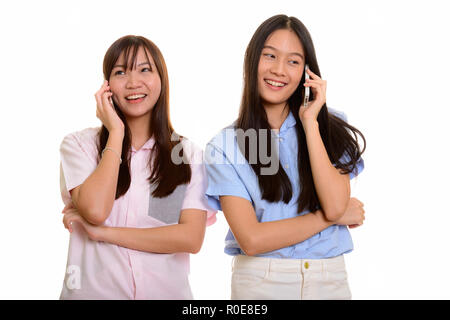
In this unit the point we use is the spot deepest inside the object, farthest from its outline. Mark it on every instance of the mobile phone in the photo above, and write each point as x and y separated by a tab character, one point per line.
112	102
306	95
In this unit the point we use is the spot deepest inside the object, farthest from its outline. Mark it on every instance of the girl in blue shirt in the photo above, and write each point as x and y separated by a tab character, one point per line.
281	174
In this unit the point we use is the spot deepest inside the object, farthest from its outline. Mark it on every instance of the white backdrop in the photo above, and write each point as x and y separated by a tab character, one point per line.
387	67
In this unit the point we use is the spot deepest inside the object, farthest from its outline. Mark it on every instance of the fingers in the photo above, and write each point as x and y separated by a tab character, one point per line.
363	217
70	216
356	225
359	206
320	81
357	201
320	85
316	83
312	74
68	206
68	221
99	97
106	99
99	93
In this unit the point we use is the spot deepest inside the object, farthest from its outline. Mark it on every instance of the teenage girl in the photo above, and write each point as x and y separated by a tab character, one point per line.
288	217
134	210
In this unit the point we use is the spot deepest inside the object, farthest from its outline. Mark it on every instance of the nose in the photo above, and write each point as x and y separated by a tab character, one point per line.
277	68
133	80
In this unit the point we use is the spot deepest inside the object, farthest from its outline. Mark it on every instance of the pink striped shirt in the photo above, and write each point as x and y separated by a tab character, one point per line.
100	270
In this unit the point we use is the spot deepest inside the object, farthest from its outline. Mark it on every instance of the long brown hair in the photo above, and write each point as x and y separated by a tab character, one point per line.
339	137
165	174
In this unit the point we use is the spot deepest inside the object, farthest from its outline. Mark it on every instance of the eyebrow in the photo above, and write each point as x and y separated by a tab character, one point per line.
123	66
290	53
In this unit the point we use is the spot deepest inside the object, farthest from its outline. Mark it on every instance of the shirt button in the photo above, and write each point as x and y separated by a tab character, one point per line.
286	166
281	139
306	265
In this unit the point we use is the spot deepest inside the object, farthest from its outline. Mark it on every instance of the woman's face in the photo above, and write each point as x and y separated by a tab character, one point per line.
137	89
280	68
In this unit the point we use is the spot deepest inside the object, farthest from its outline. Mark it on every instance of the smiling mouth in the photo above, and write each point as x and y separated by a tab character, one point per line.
275	83
135	97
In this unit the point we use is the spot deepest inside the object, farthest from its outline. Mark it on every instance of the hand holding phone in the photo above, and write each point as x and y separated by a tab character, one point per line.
315	89
106	111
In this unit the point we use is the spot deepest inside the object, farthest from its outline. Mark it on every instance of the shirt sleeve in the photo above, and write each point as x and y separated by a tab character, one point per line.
358	168
195	197
223	179
78	161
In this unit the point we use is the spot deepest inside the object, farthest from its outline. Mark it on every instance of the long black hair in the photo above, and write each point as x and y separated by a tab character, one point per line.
338	136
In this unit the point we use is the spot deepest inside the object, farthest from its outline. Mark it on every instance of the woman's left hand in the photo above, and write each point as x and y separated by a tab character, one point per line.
319	89
71	216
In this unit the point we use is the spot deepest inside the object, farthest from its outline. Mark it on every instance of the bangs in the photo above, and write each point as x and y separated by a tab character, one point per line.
130	55
129	47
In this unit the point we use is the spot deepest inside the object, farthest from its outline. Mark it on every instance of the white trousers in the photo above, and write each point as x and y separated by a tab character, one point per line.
257	278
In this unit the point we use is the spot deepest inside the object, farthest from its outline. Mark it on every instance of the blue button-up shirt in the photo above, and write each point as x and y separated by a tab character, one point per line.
230	174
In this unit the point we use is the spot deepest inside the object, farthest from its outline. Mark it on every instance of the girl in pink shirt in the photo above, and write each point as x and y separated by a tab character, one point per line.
134	193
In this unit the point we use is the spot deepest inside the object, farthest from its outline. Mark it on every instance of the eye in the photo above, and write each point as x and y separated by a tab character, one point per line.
269	55
119	73
146	70
294	62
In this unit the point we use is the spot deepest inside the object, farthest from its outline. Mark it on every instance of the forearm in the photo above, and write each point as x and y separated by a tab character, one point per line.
165	239
332	187
95	197
273	235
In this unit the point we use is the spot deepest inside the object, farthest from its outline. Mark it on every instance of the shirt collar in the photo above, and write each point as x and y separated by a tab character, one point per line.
147	146
289	122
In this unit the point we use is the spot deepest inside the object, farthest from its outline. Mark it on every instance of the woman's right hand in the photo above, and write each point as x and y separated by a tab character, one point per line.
106	112
353	215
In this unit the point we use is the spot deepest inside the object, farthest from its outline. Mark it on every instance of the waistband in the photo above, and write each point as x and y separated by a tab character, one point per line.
288	265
